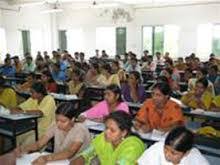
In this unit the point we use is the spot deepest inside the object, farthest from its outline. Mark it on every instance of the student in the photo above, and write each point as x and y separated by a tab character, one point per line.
200	73
177	149
7	69
17	64
7	95
115	145
48	81
70	138
76	82
58	74
107	78
200	97
159	112
133	66
39	103
26	86
29	65
133	91
119	71
113	102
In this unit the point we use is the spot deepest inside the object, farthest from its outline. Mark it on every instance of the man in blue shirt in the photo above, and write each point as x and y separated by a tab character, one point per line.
7	69
57	73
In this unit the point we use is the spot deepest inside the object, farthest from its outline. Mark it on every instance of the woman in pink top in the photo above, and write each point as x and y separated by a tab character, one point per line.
112	102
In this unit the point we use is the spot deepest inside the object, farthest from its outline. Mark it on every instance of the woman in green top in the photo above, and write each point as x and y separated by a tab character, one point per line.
116	145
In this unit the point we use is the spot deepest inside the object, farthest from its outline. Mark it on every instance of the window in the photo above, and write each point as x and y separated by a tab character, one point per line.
36	41
62	40
106	40
204	41
75	40
3	46
171	40
216	40
153	39
26	43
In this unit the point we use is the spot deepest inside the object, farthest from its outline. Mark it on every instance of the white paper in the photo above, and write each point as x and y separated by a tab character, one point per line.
94	125
28	158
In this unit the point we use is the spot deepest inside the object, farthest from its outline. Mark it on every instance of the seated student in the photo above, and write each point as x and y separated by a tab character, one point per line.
200	73
70	138
92	74
76	82
7	69
115	146
133	91
29	65
17	64
200	97
107	78
39	103
57	73
7	95
119	71
113	102
177	149
159	112
215	105
26	86
48	81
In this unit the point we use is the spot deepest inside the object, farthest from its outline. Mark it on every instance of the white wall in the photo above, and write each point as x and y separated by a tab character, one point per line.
187	17
26	19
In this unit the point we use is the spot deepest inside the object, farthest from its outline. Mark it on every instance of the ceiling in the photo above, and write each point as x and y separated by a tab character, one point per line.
134	3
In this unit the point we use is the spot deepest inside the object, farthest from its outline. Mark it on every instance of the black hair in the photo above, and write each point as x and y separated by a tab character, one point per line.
203	81
169	70
162	79
95	66
116	63
134	59
214	67
39	88
116	90
203	71
107	67
66	109
163	87
180	139
123	120
57	65
136	75
48	74
78	73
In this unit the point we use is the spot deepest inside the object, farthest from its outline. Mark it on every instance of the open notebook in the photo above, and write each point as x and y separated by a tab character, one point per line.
28	158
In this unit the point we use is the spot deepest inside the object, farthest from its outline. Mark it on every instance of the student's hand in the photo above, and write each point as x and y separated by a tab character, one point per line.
16	111
18	152
42	160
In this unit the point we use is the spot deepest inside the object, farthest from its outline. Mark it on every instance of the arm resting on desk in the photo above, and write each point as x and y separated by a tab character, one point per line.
66	154
32	147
